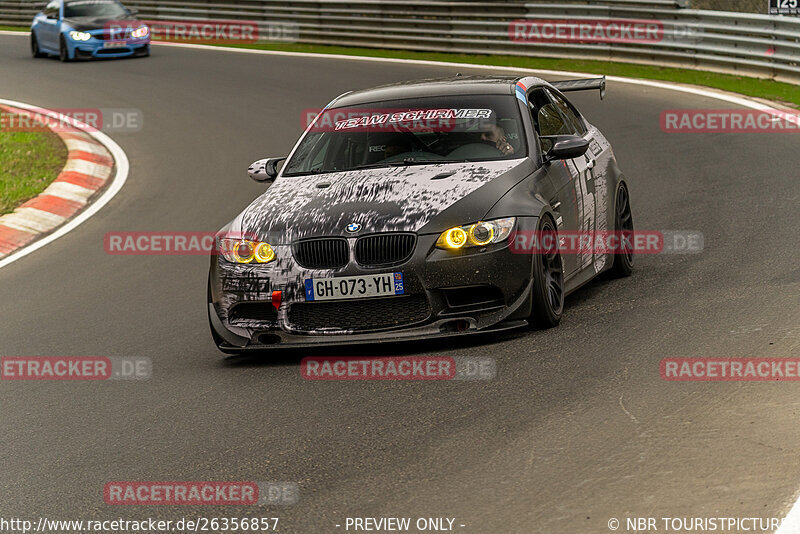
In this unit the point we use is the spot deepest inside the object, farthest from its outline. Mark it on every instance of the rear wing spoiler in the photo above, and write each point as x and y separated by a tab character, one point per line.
588	84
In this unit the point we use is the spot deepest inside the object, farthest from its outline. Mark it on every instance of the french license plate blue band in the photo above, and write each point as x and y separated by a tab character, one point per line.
309	289
399	288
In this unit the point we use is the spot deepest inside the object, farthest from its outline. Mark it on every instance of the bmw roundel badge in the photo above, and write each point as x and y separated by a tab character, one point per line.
353	227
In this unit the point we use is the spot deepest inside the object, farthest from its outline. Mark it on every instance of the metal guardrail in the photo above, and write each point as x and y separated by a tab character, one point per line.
752	45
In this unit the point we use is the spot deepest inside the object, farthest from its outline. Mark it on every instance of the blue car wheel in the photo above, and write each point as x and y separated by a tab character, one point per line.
35	51
63	52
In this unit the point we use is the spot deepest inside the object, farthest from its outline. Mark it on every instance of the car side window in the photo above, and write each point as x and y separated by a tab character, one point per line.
51	9
547	119
571	117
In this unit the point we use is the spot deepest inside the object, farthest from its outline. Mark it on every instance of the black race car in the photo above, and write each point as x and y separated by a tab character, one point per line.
400	211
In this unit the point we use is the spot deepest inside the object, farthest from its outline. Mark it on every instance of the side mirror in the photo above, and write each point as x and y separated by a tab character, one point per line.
567	147
264	170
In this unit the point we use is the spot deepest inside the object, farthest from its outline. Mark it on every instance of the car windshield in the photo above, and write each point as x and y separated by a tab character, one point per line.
417	131
94	8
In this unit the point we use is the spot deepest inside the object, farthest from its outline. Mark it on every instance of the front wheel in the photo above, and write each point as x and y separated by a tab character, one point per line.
548	279
623	259
35	51
63	53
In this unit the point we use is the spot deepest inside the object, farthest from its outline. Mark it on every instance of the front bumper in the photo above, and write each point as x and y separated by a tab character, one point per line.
446	294
96	49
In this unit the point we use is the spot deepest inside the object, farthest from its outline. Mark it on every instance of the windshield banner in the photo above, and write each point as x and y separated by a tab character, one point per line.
390	120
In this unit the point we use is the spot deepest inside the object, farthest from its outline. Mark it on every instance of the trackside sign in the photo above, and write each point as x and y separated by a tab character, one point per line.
784	7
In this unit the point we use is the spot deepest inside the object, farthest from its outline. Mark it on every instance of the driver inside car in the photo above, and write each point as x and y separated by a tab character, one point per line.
492	133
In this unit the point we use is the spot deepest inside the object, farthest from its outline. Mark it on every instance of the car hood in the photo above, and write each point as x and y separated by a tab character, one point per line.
379	200
83	24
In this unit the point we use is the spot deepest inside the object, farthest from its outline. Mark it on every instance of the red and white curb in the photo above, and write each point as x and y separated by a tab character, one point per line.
94	163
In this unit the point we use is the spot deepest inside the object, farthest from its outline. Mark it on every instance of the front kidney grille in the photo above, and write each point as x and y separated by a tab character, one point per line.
384	249
325	253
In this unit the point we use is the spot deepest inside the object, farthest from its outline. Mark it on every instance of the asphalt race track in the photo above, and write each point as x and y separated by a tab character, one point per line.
577	428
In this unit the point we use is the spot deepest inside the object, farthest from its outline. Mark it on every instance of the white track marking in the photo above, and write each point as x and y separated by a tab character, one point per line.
791	523
120	176
69	191
32	219
83	166
83	146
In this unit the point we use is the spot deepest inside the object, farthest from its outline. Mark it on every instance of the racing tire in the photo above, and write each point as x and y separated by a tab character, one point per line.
623	224
548	281
35	51
63	53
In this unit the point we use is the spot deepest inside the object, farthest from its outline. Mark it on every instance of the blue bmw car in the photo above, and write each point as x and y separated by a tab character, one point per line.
85	29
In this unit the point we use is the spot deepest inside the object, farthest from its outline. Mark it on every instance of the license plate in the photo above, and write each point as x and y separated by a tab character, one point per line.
355	287
114	44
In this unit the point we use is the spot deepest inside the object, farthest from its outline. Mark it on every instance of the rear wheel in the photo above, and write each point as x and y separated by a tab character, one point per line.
623	259
35	52
548	279
63	53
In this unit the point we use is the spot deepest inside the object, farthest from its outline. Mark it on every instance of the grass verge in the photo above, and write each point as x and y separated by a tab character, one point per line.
29	162
785	93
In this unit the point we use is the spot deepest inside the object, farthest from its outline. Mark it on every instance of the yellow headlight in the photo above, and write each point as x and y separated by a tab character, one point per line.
481	233
264	253
244	251
455	238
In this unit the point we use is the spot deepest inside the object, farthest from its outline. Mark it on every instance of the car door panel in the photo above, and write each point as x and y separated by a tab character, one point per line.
585	193
565	205
47	29
599	158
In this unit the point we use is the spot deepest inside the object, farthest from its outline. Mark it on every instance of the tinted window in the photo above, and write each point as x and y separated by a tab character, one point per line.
547	119
94	8
551	116
51	9
417	131
574	122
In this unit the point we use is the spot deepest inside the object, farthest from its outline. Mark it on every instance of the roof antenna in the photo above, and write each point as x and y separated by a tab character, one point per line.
458	74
